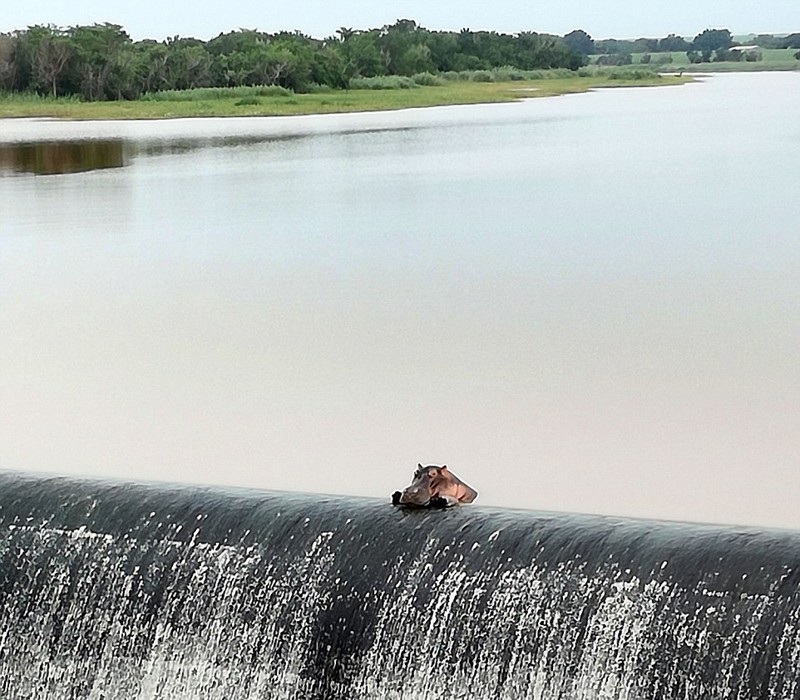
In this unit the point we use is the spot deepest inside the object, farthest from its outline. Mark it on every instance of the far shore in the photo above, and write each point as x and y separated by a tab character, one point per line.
200	103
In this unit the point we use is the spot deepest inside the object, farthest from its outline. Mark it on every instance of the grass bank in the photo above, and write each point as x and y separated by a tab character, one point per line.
771	59
255	101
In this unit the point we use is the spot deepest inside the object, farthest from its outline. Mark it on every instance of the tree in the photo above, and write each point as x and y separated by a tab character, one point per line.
126	78
39	58
101	62
291	56
396	42
608	46
615	59
443	48
791	42
712	39
6	62
187	65
345	33
331	68
767	41
363	55
673	42
578	40
96	48
644	45
53	54
152	57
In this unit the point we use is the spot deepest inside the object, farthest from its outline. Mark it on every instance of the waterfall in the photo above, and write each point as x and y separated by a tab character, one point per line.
116	591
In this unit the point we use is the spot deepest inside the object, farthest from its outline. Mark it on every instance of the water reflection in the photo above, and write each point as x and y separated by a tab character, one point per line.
172	146
54	158
61	157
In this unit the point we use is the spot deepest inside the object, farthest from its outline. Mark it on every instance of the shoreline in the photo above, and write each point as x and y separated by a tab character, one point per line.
333	102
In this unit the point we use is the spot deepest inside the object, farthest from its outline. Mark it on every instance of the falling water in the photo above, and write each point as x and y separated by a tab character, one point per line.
130	591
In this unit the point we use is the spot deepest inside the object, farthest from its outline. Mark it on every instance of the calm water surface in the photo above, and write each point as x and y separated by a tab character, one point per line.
583	303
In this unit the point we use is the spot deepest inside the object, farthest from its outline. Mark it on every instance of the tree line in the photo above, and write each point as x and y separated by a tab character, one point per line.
708	39
708	44
101	62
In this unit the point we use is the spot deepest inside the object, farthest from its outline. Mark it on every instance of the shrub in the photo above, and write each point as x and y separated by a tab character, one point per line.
633	74
558	73
317	89
506	74
9	96
383	82
481	76
196	94
615	59
427	79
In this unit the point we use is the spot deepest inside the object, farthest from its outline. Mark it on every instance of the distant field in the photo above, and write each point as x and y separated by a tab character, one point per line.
266	102
773	59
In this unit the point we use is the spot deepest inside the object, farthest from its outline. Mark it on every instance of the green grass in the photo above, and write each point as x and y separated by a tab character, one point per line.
251	102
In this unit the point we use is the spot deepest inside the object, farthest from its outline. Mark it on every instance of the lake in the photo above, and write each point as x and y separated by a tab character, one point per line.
586	303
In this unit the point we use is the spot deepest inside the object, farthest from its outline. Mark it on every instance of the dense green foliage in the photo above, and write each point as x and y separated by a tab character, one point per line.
101	62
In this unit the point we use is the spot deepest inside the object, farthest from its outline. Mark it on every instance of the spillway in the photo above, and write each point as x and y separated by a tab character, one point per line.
117	591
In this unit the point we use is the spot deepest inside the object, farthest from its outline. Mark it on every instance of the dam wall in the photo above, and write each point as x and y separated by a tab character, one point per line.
117	591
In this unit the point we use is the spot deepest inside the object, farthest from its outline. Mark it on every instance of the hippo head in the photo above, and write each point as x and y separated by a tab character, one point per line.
423	487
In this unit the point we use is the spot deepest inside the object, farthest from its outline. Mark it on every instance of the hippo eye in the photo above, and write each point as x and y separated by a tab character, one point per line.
433	473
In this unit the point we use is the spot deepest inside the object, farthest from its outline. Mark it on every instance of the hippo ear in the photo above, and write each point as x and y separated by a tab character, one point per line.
443	467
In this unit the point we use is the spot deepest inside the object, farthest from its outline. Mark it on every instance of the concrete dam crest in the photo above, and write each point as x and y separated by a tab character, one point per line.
120	591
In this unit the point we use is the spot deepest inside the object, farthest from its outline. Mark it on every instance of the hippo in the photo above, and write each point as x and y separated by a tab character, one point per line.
434	486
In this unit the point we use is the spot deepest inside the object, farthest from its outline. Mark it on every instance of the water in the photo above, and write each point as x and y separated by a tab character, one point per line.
57	158
131	591
594	296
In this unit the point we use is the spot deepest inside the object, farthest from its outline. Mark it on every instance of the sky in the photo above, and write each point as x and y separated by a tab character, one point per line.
205	19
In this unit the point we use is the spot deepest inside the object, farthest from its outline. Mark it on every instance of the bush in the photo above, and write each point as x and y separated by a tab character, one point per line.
383	82
633	74
481	76
10	96
427	79
317	89
615	59
560	73
506	74
220	93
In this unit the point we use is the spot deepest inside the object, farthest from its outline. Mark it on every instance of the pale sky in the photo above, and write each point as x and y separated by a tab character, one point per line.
320	18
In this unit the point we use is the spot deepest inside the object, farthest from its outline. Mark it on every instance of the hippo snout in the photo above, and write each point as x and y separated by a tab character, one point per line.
415	496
